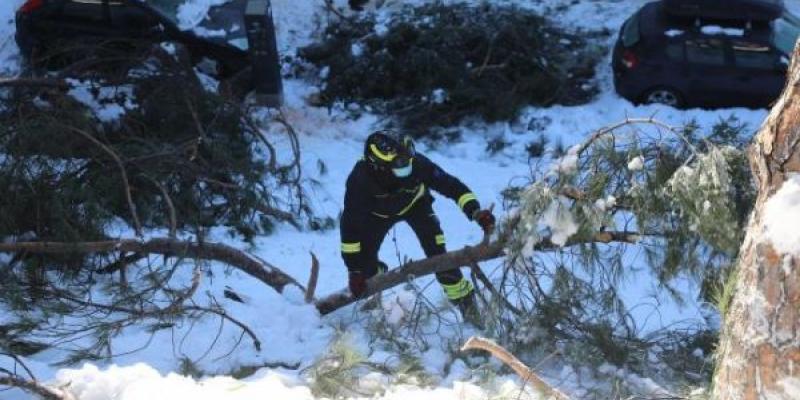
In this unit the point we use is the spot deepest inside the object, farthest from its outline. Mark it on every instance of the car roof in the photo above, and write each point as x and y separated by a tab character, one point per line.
742	10
654	22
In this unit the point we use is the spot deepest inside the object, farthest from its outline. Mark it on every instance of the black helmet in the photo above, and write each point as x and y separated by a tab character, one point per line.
389	150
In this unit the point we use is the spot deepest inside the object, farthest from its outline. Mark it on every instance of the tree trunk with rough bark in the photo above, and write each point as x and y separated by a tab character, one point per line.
759	352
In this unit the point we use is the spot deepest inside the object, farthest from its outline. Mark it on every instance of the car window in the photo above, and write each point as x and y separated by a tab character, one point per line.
786	31
705	51
754	55
630	31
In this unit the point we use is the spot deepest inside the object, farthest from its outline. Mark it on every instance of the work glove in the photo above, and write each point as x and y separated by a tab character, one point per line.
485	219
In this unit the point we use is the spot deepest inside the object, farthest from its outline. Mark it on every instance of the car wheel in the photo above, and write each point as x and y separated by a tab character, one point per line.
663	95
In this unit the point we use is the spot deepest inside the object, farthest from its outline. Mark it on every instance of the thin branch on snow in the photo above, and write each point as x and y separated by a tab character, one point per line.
527	375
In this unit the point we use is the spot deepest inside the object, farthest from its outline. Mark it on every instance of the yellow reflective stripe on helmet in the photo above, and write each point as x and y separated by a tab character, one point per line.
440	239
458	290
420	192
349	248
465	198
383	156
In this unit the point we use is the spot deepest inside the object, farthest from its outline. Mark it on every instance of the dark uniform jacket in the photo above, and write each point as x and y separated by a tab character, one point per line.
376	197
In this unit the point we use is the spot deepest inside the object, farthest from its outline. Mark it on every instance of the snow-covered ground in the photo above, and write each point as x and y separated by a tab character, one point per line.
293	332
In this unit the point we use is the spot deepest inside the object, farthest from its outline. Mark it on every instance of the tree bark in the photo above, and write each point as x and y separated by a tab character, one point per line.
759	351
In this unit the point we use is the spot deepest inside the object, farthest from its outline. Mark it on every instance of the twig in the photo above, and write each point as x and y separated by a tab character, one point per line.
121	165
35	387
312	280
223	314
476	269
173	219
329	5
515	364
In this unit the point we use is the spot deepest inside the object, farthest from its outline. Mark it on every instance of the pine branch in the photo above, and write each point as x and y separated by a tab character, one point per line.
259	269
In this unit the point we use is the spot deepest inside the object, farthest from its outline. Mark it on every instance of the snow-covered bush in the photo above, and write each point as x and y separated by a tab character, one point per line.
437	64
637	195
175	160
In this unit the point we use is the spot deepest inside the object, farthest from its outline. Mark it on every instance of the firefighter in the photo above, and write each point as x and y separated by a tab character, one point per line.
392	183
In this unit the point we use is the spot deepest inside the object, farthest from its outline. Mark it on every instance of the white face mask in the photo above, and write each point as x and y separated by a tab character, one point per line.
402	172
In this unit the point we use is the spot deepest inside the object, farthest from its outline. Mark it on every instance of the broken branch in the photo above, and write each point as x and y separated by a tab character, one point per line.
527	375
259	269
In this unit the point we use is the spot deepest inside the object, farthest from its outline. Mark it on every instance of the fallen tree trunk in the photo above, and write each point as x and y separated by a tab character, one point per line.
469	255
454	259
259	269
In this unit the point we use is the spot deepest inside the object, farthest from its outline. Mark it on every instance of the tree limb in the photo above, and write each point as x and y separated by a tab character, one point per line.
466	256
35	387
43	82
259	269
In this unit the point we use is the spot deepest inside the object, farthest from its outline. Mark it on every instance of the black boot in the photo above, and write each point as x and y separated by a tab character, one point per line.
469	310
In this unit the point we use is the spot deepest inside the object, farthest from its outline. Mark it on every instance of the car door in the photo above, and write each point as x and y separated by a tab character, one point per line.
760	75
709	72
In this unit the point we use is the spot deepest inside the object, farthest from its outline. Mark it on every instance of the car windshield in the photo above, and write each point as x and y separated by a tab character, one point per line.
787	30
220	23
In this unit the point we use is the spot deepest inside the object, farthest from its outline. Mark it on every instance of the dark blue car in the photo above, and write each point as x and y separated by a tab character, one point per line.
236	40
705	53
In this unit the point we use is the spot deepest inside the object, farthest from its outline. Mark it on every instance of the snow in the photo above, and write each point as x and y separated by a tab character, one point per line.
718	30
568	163
636	164
559	219
9	52
673	32
192	12
293	332
781	213
108	103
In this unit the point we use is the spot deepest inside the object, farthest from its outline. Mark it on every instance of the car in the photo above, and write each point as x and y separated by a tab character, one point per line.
705	53
234	42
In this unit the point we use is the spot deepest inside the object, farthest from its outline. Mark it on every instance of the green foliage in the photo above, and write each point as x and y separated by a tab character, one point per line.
336	374
437	64
183	160
673	196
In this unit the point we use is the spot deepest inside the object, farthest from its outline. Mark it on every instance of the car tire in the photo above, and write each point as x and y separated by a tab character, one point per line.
663	95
